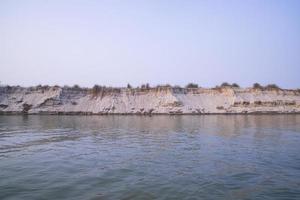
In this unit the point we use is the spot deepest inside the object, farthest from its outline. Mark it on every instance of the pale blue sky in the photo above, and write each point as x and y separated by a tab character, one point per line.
114	42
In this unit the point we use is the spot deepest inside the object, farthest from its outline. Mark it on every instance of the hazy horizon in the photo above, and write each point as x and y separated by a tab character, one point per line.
157	42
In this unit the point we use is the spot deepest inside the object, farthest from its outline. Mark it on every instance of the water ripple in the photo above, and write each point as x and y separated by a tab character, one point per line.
161	157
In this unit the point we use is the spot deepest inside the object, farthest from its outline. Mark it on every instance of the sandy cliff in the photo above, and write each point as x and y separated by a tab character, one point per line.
161	100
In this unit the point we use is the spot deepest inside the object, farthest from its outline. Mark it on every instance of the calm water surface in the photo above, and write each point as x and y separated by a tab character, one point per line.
160	157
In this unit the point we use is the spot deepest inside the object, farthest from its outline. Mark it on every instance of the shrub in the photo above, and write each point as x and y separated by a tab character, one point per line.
45	87
76	87
96	89
145	86
192	85
272	86
164	86
225	84
8	87
257	86
235	85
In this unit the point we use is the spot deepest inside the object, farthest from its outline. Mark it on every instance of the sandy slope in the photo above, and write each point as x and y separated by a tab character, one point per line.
57	100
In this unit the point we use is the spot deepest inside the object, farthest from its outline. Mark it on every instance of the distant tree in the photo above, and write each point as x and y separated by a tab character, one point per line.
76	87
145	86
96	89
45	87
235	85
129	86
192	85
257	86
225	84
272	86
164	86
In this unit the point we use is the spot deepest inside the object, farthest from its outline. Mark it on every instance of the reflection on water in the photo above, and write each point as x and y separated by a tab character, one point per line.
159	157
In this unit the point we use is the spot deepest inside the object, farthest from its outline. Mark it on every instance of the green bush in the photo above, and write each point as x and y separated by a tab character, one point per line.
225	84
192	85
235	85
96	89
272	87
76	87
257	86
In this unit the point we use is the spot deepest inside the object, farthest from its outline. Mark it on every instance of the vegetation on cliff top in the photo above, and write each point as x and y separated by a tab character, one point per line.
96	89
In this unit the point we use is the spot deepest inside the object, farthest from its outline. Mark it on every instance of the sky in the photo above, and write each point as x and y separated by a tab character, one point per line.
113	43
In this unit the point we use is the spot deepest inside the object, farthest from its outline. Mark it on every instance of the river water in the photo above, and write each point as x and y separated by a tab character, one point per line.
142	157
